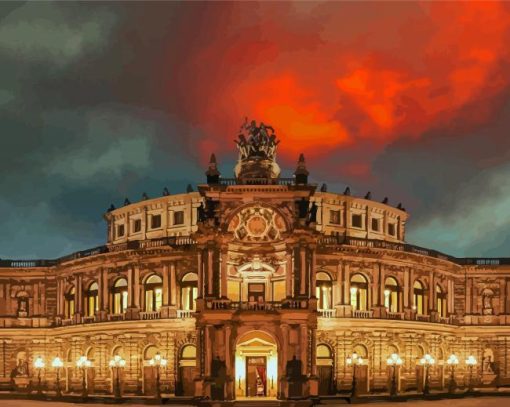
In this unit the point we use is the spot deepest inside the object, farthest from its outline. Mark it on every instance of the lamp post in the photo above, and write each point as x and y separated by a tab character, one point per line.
57	364
117	363
83	363
354	361
39	366
427	361
157	361
471	363
452	361
394	361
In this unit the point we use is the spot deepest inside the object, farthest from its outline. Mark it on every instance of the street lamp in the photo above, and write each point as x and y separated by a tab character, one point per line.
57	364
427	361
354	361
83	363
117	363
471	363
39	366
394	361
157	361
452	361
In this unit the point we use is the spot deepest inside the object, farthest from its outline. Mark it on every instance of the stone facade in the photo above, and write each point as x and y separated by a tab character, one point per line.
254	285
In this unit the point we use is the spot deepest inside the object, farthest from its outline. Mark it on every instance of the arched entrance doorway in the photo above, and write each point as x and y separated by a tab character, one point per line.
256	366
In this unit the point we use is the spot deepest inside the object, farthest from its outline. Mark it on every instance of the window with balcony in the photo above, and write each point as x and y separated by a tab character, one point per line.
155	221
359	292
391	294
323	291
357	221
419	297
334	217
120	296
179	218
189	291
153	293
137	225
69	304
92	300
441	301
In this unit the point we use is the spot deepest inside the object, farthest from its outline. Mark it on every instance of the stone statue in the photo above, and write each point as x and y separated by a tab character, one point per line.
256	142
487	303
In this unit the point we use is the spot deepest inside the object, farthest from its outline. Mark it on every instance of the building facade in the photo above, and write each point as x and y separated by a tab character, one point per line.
250	286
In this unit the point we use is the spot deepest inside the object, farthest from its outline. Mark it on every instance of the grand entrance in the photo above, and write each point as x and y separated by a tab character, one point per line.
256	366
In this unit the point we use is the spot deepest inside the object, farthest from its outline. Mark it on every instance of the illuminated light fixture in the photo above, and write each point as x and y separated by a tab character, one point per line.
427	361
471	362
354	360
83	363
39	365
158	361
57	364
452	361
394	360
116	364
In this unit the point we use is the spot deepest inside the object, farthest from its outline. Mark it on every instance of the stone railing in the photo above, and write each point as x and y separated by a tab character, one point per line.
185	314
67	321
327	313
257	181
116	317
362	314
150	315
423	318
88	320
394	315
443	320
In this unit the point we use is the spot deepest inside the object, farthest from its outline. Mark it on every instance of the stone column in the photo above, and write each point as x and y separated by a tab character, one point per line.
208	351
337	288
78	296
304	348
288	275
130	279
229	356
173	284
200	293
224	269
59	297
302	269
210	271
136	277
313	272
105	292
166	285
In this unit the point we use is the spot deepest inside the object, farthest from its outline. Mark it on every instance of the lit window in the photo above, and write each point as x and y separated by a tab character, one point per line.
441	301
92	300
69	303
391	294
359	293
419	297
120	296
153	293
189	291
323	290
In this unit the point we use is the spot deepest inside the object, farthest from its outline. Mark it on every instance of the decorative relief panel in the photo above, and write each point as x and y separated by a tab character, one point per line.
257	224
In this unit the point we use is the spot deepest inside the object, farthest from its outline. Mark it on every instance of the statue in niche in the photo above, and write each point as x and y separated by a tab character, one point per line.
22	307
21	369
488	361
487	302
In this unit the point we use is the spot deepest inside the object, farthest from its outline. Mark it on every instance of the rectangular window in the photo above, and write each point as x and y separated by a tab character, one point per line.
148	301
279	290
375	224
155	221
233	291
120	230
124	300
391	229
334	217
179	218
137	225
158	298
357	221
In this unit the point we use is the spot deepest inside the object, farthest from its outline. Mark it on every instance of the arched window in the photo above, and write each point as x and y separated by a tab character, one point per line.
189	291
419	297
391	294
441	301
153	293
120	296
92	300
69	304
359	293
188	352
323	291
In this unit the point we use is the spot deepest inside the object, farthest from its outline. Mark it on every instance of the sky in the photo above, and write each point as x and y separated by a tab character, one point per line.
102	101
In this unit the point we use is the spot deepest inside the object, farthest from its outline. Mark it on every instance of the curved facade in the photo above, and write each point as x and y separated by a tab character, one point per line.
256	285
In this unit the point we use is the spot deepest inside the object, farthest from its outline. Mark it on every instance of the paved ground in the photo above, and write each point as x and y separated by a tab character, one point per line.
468	402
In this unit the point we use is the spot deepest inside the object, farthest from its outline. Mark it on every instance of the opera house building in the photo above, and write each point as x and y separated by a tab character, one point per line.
254	286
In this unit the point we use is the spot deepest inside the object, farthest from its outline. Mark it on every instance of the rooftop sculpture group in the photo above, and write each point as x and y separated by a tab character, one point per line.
256	142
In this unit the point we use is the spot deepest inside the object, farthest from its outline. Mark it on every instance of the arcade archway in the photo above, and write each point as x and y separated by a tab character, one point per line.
256	366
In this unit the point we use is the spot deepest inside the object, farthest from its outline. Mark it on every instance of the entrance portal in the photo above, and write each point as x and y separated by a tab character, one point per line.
256	366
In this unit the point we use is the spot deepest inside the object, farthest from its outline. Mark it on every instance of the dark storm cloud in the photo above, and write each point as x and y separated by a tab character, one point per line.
99	101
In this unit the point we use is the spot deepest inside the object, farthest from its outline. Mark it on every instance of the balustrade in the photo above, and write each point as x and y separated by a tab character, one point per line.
185	314
394	315
150	315
362	314
327	313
